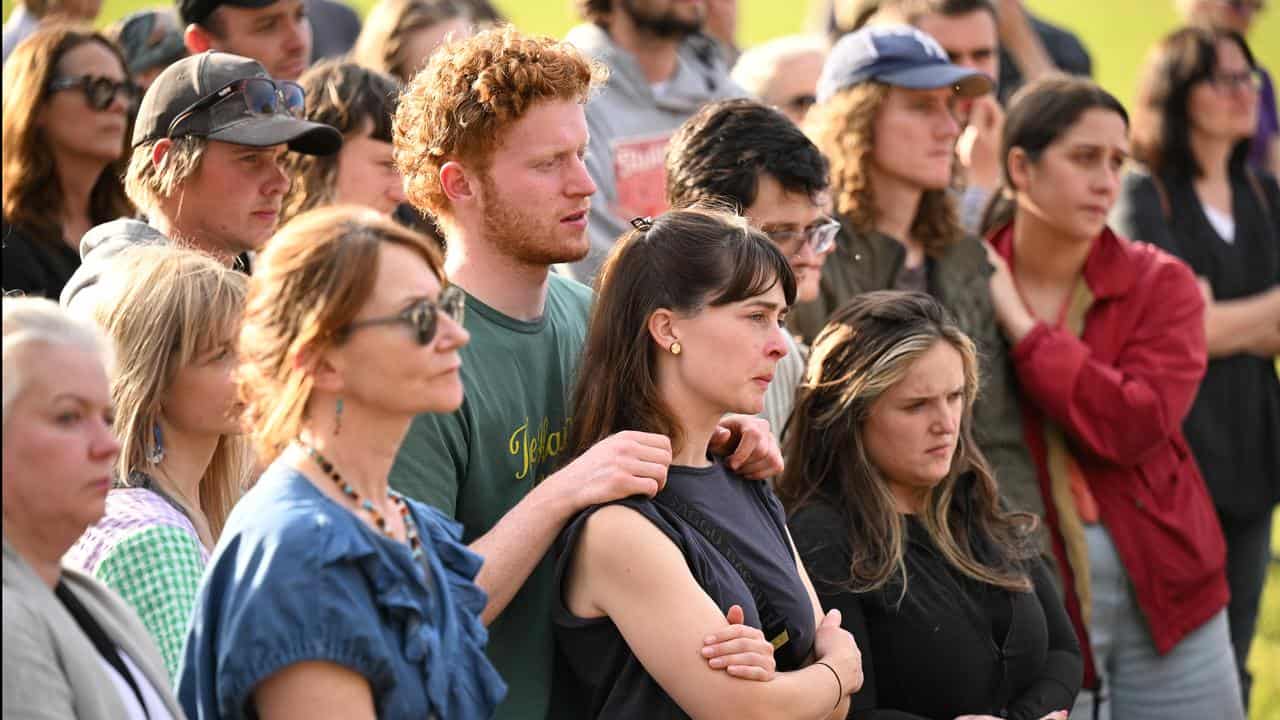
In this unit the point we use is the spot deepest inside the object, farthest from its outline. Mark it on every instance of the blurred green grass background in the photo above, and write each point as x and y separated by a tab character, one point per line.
1117	33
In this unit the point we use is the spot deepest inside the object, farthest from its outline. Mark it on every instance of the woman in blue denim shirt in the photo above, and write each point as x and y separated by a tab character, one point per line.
328	595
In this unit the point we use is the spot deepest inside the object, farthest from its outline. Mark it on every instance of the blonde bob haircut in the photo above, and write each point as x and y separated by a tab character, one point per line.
167	308
35	322
307	286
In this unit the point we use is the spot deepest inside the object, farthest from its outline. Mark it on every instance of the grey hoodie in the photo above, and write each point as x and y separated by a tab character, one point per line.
630	123
97	248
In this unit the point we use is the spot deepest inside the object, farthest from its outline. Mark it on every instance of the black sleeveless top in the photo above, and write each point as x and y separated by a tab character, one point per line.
604	677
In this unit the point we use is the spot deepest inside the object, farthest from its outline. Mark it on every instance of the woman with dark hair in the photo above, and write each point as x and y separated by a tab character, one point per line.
897	514
359	103
1109	346
328	594
687	327
67	103
1198	198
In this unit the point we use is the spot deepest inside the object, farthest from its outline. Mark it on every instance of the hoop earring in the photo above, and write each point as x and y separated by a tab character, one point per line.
156	455
675	348
337	425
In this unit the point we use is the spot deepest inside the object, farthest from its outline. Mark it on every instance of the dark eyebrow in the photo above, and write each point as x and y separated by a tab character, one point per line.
766	304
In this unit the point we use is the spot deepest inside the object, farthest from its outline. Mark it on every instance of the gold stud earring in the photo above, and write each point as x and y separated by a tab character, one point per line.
675	348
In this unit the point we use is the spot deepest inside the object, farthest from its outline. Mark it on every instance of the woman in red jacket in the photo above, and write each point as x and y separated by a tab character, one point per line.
1109	348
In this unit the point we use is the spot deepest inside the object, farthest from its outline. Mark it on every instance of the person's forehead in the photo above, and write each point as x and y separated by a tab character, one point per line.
546	124
975	28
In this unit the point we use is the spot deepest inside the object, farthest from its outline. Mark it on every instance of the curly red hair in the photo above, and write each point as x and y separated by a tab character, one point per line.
469	93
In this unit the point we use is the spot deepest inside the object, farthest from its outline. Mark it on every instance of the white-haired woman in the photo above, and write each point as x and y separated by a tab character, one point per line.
71	647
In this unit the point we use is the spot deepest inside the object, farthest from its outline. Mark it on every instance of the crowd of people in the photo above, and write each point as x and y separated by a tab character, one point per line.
422	367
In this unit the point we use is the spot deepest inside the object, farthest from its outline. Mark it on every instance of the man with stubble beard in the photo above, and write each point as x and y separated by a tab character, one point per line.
490	138
662	69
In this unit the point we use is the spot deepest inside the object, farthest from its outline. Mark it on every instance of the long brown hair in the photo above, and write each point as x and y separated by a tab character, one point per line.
308	283
842	128
1162	113
866	348
684	261
32	194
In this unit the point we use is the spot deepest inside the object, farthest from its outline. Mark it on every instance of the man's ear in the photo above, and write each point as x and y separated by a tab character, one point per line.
662	328
457	185
197	39
159	151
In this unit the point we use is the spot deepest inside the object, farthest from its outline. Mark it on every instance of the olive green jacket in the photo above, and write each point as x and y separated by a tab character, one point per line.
959	280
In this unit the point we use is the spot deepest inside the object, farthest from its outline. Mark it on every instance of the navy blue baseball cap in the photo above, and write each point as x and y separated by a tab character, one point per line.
897	55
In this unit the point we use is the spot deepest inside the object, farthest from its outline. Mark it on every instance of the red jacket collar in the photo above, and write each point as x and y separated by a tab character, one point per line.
1107	271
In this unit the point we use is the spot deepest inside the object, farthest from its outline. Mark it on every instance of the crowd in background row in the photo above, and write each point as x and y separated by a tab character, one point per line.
889	361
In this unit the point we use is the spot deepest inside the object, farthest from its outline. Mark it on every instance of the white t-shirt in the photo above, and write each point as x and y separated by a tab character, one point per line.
1224	224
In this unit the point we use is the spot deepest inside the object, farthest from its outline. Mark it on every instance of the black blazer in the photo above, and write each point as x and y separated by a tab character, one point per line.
1234	424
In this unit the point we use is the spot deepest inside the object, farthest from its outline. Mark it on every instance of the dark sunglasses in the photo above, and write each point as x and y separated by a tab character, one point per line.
258	97
820	237
422	316
99	92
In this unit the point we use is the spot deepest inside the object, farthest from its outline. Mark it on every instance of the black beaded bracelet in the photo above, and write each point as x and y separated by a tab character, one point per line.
838	683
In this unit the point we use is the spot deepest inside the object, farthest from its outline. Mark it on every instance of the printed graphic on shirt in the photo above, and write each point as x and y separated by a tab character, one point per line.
533	444
640	176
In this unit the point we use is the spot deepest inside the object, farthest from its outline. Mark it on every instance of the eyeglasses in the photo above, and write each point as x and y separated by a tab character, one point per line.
1226	82
423	316
820	237
1242	6
258	97
99	92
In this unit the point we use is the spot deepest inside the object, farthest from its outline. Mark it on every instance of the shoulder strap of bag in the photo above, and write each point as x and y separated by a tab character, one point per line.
775	626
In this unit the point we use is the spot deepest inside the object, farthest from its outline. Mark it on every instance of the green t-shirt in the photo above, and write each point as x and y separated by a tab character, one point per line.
479	461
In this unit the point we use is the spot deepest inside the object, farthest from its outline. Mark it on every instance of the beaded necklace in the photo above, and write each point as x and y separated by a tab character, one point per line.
410	527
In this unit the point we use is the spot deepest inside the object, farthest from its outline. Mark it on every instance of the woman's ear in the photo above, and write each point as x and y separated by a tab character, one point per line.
322	366
662	328
1019	164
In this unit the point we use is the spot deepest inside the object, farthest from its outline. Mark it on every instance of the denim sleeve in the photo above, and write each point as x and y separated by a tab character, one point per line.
274	605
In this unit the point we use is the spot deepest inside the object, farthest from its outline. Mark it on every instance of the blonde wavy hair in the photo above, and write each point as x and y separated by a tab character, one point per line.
166	308
843	129
459	105
307	286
